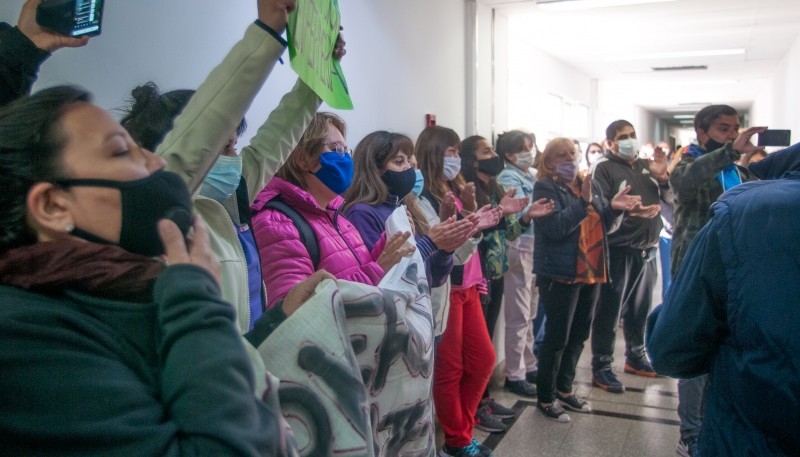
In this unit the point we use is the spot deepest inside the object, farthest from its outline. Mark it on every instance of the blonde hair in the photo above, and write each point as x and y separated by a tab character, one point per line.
554	147
309	148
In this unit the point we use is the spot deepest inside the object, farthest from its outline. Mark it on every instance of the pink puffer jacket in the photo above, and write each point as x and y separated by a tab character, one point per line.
284	258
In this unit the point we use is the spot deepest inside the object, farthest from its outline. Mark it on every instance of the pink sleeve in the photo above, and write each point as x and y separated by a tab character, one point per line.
377	250
284	258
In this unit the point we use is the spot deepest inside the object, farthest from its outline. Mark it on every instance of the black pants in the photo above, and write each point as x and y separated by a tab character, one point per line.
569	310
633	275
491	304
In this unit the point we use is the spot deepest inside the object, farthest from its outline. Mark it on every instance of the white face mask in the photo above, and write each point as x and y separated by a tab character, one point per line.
524	160
452	165
628	149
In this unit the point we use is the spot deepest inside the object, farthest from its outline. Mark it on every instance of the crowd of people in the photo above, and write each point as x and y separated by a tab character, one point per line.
145	263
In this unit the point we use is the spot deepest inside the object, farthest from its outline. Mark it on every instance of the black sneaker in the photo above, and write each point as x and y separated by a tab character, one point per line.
485	421
607	380
532	376
574	403
522	388
553	411
498	410
640	367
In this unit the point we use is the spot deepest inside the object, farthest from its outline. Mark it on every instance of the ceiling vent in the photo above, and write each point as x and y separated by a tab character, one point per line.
682	68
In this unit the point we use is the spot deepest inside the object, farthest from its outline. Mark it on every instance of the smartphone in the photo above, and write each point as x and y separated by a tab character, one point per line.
775	138
74	18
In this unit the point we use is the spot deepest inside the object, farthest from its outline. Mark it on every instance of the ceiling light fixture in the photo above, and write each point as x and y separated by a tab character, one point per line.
677	55
683	116
575	5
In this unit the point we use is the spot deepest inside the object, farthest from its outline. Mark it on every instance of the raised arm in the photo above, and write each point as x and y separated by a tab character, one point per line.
278	136
692	174
23	49
205	125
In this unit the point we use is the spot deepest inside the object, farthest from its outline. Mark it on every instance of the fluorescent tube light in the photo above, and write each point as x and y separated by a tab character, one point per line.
575	5
677	55
683	116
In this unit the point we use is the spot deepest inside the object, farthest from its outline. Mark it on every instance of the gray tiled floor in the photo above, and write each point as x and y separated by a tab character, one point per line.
640	422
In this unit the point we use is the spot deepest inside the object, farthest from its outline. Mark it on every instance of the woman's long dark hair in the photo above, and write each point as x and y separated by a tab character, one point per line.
150	114
369	159
30	151
483	191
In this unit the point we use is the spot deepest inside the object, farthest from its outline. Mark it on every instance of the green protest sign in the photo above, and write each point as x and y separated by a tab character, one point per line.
312	31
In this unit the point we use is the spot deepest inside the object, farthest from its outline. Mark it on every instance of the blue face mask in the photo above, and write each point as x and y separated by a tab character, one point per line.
336	172
419	183
223	179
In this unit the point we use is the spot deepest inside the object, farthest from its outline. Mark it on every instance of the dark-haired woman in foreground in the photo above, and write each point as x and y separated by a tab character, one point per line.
107	351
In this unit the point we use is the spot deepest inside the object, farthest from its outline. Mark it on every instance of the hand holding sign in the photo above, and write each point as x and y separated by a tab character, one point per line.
315	45
275	13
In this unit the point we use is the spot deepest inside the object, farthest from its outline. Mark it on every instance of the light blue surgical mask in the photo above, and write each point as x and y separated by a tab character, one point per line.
628	148
223	179
419	183
452	165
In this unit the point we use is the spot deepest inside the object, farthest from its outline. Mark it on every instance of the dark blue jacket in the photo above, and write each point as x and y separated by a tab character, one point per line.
777	163
555	254
733	311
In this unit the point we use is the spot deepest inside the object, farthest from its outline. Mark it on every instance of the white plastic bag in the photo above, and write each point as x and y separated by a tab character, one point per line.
395	279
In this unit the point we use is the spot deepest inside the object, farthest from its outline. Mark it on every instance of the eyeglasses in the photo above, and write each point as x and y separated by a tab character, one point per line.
337	147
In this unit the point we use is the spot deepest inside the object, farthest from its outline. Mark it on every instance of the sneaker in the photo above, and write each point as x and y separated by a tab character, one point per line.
498	410
522	388
488	423
607	380
486	451
574	403
532	376
687	448
640	367
553	411
470	450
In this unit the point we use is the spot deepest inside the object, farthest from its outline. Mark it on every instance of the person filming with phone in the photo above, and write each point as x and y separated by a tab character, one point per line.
24	48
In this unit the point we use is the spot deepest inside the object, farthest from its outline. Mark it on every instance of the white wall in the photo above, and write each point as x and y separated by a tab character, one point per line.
778	106
404	58
612	105
533	77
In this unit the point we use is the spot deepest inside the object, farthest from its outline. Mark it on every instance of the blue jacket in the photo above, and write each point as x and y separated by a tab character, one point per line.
733	311
555	255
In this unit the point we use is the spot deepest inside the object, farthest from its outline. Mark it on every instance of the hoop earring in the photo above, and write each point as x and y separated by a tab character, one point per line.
69	228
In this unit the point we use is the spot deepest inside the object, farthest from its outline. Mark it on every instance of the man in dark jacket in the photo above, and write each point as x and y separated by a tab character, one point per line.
23	49
733	312
706	171
633	265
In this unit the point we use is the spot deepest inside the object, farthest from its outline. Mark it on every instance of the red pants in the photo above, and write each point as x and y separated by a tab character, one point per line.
462	367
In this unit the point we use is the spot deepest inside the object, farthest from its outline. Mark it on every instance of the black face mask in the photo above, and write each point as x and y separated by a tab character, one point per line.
162	195
400	183
713	145
491	167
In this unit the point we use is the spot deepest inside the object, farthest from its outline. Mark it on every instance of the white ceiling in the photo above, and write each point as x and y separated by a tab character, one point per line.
595	41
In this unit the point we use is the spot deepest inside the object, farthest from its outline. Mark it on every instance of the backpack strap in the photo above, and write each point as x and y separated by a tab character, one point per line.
306	233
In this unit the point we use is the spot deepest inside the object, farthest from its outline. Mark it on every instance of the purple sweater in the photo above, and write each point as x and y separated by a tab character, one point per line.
370	221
